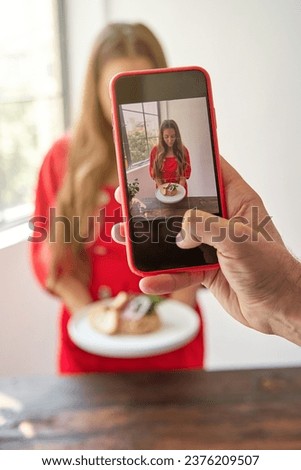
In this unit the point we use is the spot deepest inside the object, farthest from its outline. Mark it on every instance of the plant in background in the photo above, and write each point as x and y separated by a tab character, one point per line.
133	188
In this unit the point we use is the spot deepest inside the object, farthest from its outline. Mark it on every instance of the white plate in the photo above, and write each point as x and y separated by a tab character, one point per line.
171	199
180	324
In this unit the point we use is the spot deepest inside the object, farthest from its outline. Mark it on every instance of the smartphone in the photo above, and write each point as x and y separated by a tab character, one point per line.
166	145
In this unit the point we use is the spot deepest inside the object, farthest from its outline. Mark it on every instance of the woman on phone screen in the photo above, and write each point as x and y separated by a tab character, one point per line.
170	160
79	262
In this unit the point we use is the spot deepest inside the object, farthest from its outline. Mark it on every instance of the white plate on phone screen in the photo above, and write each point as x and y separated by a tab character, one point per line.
171	199
180	324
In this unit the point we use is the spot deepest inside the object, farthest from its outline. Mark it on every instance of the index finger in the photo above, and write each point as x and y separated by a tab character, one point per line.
167	283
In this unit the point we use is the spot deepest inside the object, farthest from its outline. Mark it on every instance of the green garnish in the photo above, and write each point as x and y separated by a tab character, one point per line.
155	300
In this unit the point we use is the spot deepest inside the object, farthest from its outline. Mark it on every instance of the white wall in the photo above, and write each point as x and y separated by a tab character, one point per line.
84	20
28	317
252	50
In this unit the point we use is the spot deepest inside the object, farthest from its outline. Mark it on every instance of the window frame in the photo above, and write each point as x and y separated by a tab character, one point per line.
61	30
125	140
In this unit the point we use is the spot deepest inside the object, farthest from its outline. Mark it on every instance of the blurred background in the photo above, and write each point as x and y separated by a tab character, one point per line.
252	51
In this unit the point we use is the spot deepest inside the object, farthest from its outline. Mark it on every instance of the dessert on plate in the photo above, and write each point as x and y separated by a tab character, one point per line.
126	314
169	189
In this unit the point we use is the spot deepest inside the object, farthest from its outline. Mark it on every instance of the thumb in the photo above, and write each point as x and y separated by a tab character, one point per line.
225	235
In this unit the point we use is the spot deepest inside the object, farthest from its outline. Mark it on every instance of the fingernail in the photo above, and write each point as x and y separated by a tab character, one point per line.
145	287
179	237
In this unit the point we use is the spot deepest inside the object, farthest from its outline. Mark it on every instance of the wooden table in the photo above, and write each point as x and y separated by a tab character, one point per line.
249	409
155	208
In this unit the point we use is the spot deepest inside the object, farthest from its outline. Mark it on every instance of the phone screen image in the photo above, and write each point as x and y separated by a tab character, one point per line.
169	164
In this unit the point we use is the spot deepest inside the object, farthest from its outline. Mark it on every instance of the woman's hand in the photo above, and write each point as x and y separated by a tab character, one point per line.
159	181
182	181
72	292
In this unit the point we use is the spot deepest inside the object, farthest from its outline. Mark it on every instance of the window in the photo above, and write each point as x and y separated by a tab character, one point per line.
140	128
31	100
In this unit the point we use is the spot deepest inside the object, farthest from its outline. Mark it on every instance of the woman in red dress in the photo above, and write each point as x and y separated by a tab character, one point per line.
170	160
78	261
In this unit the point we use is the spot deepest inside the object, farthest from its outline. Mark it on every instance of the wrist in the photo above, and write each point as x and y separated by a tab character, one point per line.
74	305
73	293
287	321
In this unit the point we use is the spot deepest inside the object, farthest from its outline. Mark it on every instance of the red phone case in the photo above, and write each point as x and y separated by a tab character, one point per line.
121	169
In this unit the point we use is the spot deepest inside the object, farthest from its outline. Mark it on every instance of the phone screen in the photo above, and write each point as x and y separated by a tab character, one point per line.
169	162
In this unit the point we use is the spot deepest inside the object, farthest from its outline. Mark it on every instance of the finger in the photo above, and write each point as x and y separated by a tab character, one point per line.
117	233
117	195
200	227
167	283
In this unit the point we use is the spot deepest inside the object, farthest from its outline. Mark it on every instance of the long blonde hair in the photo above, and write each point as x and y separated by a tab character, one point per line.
90	162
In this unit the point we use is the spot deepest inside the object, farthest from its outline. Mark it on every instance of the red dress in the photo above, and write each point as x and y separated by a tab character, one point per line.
170	166
110	275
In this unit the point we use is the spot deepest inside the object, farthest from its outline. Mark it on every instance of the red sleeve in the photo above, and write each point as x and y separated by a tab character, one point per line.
187	171
151	161
50	178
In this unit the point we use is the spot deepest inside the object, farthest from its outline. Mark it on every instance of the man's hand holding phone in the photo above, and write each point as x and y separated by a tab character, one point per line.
257	282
